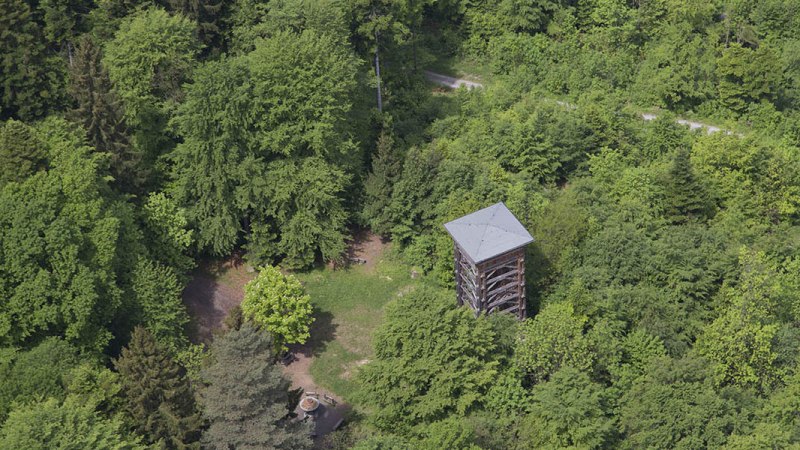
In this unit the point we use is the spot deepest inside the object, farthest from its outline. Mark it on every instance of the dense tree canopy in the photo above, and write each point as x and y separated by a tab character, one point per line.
272	152
651	147
60	238
421	373
71	424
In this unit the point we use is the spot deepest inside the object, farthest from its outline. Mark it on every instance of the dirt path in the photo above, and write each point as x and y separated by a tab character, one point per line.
365	246
368	247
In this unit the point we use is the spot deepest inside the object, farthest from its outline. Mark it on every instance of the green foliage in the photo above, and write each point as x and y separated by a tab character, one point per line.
100	113
747	75
97	386
60	237
378	185
677	71
568	411
508	393
302	84
777	418
207	14
552	340
21	153
383	442
72	424
292	152
157	393
148	60
453	433
158	296
64	19
206	165
686	198
305	206
246	396
40	372
31	80
279	304
675	406
741	342
412	203
432	360
166	228
250	125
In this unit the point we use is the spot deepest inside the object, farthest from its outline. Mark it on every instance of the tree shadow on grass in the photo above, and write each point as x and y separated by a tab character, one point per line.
323	331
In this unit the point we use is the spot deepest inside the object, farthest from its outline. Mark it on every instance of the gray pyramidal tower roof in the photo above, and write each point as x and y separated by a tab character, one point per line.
488	232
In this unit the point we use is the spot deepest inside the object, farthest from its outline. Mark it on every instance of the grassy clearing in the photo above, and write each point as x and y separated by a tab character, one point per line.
349	307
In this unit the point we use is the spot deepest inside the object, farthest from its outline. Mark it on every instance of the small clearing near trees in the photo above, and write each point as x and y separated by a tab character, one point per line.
348	307
216	287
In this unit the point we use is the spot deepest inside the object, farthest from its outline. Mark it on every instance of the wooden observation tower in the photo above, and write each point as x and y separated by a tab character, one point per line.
490	260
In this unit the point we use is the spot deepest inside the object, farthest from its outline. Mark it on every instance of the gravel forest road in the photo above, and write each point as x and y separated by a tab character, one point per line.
455	83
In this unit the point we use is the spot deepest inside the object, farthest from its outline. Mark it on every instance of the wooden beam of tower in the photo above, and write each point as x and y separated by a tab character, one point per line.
521	285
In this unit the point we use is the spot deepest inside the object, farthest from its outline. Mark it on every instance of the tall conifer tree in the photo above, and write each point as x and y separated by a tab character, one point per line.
31	80
21	153
98	110
685	194
159	397
247	396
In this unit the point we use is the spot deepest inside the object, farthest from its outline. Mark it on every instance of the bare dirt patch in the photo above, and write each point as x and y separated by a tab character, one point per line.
367	246
216	287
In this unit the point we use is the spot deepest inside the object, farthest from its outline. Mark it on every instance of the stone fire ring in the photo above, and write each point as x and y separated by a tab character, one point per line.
309	404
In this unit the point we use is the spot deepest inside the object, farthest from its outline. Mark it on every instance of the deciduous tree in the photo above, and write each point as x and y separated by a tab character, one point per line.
432	360
280	305
569	411
148	60
52	425
59	237
552	340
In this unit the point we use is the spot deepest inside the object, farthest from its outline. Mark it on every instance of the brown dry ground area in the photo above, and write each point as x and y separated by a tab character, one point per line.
367	246
216	287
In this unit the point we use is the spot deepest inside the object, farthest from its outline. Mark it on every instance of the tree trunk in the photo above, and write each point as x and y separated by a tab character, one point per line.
378	74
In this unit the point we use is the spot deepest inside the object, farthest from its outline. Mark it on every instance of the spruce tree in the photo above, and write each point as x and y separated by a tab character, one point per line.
686	197
31	80
21	153
247	396
378	186
99	112
158	395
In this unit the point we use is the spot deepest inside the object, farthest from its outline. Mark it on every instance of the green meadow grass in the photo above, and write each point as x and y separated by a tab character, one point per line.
348	306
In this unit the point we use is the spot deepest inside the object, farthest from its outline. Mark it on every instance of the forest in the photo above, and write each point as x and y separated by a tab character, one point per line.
141	139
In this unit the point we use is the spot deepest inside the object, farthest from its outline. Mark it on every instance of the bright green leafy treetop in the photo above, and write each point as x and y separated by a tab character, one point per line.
280	305
52	425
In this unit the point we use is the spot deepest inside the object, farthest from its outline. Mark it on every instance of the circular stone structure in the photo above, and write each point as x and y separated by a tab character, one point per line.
309	404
